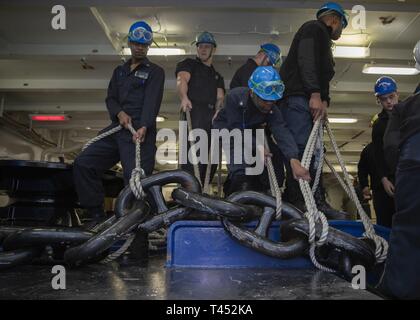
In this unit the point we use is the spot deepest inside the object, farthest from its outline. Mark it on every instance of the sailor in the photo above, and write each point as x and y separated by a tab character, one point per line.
307	72
383	194
268	55
134	97
401	277
249	108
201	91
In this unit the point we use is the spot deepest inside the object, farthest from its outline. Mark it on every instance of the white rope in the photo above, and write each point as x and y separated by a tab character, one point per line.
320	155
101	136
313	214
380	243
135	183
206	187
137	173
274	186
192	148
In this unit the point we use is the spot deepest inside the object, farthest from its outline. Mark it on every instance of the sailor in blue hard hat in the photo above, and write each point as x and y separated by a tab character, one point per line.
249	108
307	72
269	54
201	90
383	194
133	98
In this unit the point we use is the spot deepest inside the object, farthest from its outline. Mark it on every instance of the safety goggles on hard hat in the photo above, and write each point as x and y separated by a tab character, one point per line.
268	87
140	34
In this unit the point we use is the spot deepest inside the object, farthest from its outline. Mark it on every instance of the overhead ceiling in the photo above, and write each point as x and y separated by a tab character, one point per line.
41	69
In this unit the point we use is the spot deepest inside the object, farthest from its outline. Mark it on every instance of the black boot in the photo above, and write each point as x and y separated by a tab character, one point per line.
323	205
96	216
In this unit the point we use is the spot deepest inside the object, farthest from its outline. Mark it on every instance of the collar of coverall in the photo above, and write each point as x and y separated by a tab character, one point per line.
143	62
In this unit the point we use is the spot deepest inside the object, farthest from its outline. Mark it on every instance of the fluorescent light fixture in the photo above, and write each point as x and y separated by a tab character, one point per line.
160	119
159	51
390	69
342	120
48	117
351	52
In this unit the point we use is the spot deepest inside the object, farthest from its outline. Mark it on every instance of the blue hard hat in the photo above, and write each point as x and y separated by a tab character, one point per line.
385	85
333	6
140	32
266	83
205	37
273	52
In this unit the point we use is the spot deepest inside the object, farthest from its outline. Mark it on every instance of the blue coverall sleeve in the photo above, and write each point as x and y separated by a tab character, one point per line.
282	135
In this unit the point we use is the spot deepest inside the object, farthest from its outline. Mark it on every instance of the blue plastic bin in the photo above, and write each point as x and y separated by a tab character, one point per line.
205	244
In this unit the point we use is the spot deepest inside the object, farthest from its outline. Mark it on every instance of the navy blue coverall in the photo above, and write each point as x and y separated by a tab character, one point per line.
240	79
139	94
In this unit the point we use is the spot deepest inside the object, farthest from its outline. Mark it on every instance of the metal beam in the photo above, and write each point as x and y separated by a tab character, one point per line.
222	4
111	52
